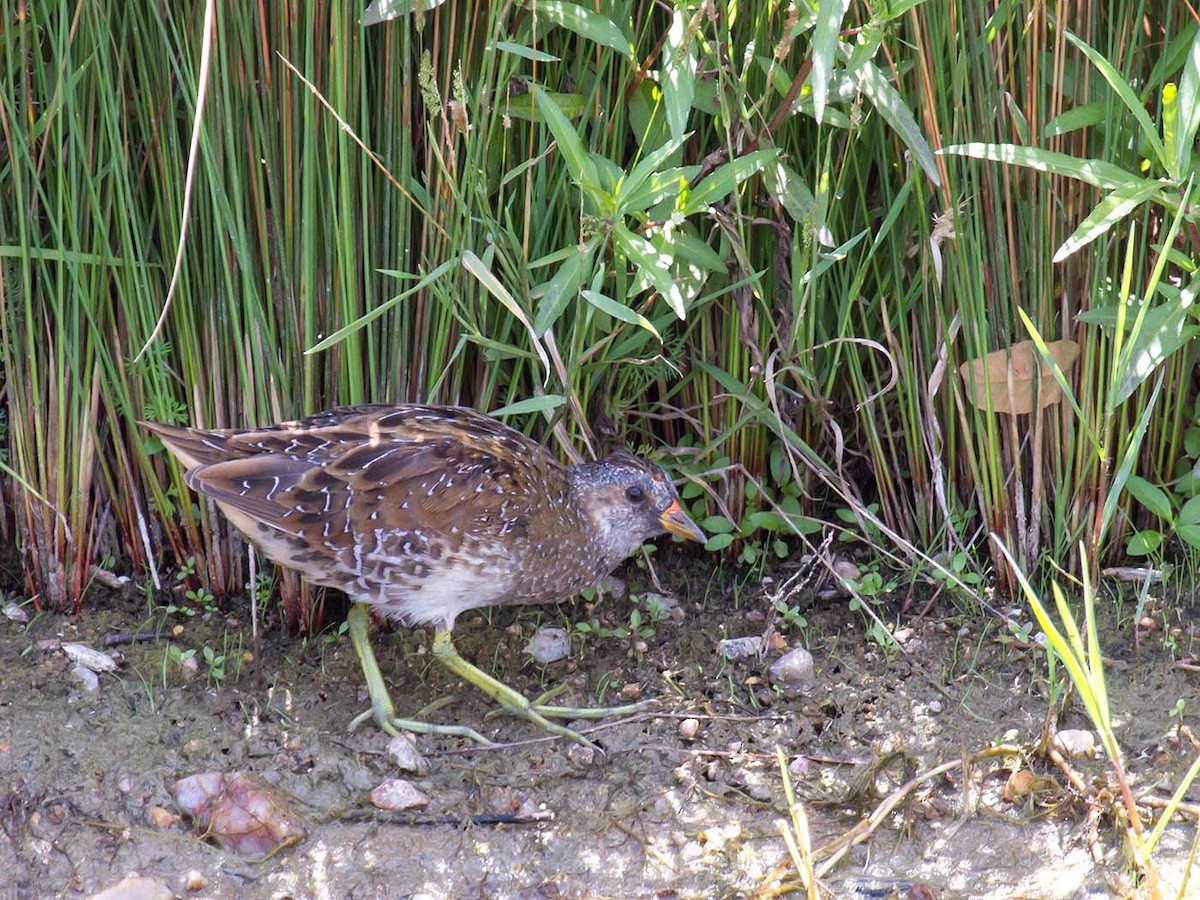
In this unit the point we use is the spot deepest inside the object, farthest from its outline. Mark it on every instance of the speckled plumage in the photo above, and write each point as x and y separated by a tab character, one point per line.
425	511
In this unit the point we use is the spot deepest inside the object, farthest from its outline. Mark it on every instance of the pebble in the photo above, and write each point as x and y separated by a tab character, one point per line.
794	668
549	644
1076	742
398	795
161	817
847	570
195	880
689	728
799	766
83	655
667	606
614	587
402	751
16	614
91	681
136	887
739	648
584	757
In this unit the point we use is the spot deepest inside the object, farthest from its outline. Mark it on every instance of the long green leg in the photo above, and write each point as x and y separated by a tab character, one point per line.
514	701
382	711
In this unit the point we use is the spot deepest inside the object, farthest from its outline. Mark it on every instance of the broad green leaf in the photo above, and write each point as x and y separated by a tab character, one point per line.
786	186
1190	513
563	287
1151	496
1143	543
1163	331
825	41
530	405
645	170
525	107
1077	117
570	144
717	525
888	103
662	190
1128	97
718	542
1095	172
1190	535
766	520
1188	99
1191	441
691	248
722	181
1020	123
379	11
585	23
654	265
679	73
1108	212
524	52
619	311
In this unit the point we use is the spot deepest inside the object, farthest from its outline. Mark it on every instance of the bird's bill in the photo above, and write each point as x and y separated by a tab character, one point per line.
676	521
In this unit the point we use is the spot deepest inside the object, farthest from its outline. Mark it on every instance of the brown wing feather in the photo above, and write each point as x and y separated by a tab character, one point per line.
355	470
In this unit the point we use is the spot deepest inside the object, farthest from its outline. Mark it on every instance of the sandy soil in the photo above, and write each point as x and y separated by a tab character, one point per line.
673	808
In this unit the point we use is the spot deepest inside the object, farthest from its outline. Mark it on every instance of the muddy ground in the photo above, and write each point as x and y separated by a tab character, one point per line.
673	808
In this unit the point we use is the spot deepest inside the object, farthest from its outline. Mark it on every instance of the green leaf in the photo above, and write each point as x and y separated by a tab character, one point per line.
380	11
570	144
717	525
792	192
766	520
1190	535
524	52
1127	458
1143	543
525	108
1095	172
724	179
1128	97
1151	496
1163	331
889	104
1191	441
1190	513
1108	212
476	266
619	311
632	183
1188	100
1084	116
530	405
825	45
661	188
585	23
679	73
557	293
652	264
718	542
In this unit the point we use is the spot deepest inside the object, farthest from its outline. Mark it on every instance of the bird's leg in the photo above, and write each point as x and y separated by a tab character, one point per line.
382	711
515	702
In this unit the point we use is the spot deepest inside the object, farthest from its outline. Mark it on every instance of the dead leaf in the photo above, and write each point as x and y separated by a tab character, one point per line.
1033	384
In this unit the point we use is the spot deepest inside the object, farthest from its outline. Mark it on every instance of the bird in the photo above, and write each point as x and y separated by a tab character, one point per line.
423	512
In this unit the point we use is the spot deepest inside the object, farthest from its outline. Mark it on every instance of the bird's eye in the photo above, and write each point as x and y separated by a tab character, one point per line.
635	494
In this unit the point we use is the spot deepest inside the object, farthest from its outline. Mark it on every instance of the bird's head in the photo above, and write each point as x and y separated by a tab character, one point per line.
630	500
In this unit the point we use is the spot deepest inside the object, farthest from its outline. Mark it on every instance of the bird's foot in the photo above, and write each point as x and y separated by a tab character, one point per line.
383	714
